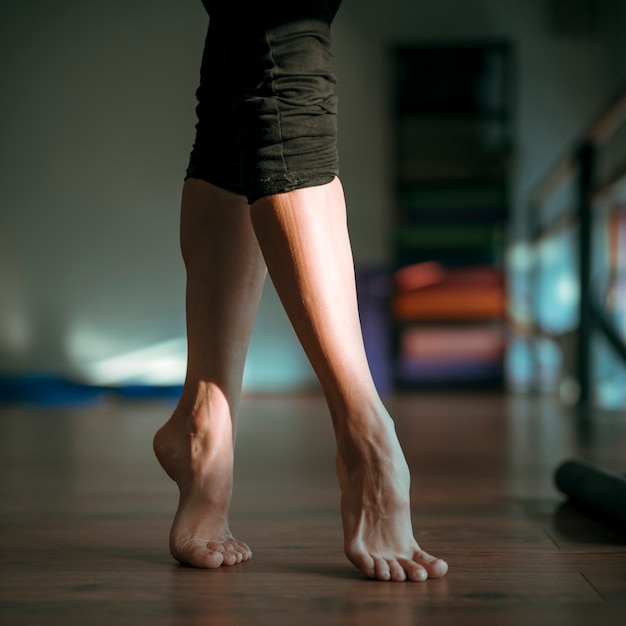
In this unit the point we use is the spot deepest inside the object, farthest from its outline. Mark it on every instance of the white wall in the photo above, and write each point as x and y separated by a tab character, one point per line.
97	121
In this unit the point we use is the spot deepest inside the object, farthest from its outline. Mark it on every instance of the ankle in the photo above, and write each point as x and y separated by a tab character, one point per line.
202	406
362	421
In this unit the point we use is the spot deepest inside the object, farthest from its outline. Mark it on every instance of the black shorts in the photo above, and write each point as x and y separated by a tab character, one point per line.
267	108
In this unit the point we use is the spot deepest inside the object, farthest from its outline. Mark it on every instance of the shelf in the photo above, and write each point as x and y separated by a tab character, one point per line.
453	157
456	202
459	307
464	79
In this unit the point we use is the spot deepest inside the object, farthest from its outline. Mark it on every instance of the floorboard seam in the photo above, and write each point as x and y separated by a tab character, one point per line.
551	538
593	587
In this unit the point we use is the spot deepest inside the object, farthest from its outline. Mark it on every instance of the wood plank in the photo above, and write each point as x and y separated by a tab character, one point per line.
85	513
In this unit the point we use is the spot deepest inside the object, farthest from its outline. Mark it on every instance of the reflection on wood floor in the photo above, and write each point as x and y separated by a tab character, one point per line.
85	513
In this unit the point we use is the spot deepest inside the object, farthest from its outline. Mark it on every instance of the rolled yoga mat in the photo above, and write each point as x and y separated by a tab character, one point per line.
598	491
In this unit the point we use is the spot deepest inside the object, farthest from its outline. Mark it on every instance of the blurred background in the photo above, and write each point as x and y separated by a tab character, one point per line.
472	266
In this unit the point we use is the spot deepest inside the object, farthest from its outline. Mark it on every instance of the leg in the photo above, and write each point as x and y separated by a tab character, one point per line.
225	276
304	239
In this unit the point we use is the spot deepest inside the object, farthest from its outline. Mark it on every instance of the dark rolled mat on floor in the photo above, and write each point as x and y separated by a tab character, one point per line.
598	491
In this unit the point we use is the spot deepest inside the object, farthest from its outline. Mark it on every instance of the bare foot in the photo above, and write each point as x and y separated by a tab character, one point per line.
378	534
198	456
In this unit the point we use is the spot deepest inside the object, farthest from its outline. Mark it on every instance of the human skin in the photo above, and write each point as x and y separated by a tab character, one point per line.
301	236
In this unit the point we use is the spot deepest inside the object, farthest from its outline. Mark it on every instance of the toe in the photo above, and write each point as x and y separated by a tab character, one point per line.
205	558
195	554
396	571
216	546
362	560
435	567
230	558
382	569
414	571
228	550
242	549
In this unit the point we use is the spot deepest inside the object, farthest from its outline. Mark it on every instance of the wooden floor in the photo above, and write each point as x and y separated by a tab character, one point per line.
85	512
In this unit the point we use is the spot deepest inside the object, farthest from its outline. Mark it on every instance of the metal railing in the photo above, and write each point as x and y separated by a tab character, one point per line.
579	163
